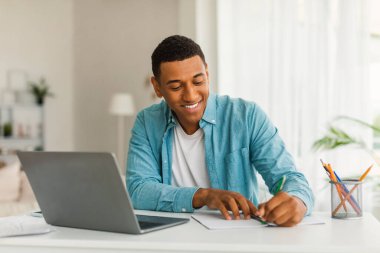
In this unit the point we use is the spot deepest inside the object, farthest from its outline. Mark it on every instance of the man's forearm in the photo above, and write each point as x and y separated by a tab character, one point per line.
161	197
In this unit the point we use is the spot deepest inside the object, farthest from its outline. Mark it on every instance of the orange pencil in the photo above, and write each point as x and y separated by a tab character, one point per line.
335	180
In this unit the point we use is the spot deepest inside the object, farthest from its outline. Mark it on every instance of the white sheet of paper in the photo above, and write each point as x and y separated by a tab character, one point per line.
23	225
310	220
217	221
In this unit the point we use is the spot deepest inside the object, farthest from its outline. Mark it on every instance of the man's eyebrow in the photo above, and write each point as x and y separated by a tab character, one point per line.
178	81
199	74
173	81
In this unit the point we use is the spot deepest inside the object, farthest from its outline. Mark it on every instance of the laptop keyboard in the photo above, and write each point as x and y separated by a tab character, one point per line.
148	225
149	222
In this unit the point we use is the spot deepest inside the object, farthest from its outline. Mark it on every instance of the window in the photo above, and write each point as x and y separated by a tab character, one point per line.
374	71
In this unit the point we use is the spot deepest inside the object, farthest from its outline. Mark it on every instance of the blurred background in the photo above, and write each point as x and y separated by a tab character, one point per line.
305	62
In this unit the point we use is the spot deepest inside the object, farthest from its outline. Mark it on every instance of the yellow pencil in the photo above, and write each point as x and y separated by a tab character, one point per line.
365	173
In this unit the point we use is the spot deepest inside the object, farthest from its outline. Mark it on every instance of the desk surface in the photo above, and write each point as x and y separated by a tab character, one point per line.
360	235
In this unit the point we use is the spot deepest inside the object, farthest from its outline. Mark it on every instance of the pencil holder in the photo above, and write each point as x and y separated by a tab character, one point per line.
346	199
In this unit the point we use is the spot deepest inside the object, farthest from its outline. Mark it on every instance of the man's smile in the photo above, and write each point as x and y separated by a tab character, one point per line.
192	107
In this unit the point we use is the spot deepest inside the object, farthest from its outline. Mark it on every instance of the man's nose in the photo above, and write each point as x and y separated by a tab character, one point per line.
190	94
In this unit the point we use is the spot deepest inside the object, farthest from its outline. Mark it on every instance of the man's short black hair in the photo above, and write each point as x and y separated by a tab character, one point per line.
174	48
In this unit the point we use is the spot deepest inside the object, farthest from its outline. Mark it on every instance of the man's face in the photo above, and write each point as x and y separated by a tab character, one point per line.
185	87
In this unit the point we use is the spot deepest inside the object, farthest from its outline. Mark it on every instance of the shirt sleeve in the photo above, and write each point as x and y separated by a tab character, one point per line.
144	180
271	159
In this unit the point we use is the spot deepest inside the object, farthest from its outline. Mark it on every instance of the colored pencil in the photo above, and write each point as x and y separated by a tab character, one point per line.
333	178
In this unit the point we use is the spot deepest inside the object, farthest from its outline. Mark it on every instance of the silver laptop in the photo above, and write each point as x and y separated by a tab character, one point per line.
86	190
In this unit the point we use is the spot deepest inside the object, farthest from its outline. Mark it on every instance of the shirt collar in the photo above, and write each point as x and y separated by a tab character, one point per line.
171	117
210	113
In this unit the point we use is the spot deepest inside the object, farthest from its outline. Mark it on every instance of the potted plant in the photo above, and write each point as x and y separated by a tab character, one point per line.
337	137
7	129
40	90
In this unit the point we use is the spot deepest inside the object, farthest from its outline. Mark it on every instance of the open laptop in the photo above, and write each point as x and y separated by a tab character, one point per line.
86	190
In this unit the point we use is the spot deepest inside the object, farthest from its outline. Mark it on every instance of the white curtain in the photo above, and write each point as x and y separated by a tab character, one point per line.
304	62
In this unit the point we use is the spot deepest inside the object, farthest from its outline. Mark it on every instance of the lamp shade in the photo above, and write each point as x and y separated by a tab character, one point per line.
122	104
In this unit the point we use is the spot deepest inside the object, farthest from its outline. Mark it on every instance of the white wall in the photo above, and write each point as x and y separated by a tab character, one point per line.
88	50
36	37
113	42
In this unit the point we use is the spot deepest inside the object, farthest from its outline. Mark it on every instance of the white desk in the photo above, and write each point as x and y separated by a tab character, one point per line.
338	236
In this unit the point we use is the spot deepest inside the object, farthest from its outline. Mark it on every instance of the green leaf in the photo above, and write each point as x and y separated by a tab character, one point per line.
335	138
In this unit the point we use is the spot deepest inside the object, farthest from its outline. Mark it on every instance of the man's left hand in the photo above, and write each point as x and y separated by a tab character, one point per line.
283	210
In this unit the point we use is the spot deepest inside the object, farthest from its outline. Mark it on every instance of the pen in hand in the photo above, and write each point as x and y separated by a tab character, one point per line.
259	213
280	185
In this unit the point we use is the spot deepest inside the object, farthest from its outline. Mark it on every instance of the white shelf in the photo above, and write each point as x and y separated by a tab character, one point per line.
21	106
11	144
5	140
26	119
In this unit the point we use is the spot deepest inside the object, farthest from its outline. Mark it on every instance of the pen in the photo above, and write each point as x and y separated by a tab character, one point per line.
258	218
278	189
280	184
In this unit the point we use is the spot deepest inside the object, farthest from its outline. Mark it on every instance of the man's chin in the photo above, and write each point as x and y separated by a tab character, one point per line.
189	118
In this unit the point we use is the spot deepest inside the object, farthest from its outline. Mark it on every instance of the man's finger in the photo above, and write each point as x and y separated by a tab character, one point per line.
277	212
243	204
285	220
252	207
273	203
261	211
234	208
224	211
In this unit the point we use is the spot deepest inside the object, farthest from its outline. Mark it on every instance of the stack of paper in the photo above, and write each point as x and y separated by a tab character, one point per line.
23	225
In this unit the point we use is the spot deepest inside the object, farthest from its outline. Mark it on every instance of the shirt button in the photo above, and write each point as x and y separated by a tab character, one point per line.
183	209
213	121
165	161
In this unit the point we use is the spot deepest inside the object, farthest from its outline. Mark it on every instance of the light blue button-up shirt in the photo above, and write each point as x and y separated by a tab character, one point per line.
240	142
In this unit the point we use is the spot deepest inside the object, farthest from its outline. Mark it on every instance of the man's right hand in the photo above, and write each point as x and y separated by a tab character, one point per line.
224	201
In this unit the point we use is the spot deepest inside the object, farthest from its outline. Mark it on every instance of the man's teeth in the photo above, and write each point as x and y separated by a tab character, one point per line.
191	106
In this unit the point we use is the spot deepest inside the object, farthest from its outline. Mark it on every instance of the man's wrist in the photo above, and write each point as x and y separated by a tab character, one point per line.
302	203
199	198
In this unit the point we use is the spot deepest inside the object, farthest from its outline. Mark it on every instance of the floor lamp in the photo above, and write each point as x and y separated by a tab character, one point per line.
122	105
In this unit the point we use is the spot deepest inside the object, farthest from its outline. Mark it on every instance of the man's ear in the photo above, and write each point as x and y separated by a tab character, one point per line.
156	86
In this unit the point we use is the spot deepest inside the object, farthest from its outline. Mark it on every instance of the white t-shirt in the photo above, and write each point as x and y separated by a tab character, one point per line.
188	160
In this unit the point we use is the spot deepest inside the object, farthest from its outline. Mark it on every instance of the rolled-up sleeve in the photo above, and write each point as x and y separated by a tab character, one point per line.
271	159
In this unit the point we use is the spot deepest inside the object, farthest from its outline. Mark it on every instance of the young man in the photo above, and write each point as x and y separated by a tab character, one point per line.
198	149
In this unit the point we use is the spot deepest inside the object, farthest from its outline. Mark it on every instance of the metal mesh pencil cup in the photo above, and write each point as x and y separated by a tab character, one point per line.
346	199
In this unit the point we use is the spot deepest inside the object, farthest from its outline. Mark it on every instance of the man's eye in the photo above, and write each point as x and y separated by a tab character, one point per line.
198	82
175	87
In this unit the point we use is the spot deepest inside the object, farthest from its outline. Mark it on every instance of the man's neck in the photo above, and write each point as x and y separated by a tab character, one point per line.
189	128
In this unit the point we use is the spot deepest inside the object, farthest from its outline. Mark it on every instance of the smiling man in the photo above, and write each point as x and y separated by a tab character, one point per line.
198	149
